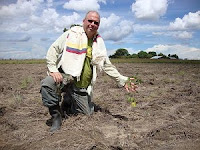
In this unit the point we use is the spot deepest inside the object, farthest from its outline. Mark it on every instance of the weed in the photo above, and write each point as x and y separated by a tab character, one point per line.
130	97
16	101
132	101
105	78
38	100
168	80
25	82
181	73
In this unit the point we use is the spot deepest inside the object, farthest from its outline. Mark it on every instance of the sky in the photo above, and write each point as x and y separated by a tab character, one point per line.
29	27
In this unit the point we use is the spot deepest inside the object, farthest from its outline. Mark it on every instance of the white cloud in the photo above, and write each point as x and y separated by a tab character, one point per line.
182	51
22	7
14	54
49	3
132	51
66	21
148	27
149	9
48	17
34	17
16	38
189	21
83	5
47	21
176	34
36	52
24	27
183	35
24	38
118	28
111	52
15	17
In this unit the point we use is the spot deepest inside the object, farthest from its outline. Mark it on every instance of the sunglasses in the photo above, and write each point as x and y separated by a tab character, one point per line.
95	22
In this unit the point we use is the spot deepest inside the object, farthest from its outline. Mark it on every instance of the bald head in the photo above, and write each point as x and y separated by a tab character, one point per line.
92	11
91	23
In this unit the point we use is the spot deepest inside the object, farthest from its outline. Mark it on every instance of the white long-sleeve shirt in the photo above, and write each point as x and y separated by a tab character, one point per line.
54	55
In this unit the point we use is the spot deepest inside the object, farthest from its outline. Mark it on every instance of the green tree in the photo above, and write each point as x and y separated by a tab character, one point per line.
149	55
175	56
134	56
120	53
161	54
142	54
152	53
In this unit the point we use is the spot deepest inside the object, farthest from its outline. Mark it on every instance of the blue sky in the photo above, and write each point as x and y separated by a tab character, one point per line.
29	27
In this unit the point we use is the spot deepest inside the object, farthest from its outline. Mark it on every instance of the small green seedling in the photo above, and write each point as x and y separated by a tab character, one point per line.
136	80
132	101
133	104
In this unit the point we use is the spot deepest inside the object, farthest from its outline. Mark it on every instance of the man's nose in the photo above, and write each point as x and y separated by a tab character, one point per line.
92	23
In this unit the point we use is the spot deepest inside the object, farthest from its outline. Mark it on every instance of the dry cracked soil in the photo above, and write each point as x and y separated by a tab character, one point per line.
166	115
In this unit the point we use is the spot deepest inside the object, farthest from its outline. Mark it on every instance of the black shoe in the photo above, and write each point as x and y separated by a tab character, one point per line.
56	118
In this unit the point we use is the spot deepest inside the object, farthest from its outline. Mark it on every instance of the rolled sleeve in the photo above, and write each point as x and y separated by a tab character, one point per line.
114	74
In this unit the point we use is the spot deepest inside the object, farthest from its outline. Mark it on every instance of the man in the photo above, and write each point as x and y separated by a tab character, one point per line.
72	61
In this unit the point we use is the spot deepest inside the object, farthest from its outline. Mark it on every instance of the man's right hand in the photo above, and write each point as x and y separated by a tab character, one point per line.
56	76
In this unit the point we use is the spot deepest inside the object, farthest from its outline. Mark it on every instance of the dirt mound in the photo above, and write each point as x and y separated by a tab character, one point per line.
166	115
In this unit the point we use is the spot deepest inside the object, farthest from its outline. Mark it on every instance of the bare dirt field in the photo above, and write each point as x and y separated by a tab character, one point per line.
166	116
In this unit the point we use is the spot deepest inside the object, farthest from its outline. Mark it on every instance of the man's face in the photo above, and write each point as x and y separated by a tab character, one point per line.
91	24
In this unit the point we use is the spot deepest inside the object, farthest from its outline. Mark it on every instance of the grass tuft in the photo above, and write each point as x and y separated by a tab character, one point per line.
25	82
22	61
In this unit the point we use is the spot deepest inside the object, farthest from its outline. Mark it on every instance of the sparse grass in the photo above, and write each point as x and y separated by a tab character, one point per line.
38	100
22	61
16	101
169	80
181	73
153	95
139	60
25	82
105	78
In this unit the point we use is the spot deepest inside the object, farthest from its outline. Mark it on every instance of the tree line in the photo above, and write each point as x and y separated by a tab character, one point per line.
123	53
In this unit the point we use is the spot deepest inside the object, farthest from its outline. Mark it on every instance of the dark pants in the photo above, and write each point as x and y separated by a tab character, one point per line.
75	100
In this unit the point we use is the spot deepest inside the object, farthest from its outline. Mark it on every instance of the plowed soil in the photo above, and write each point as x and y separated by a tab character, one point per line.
166	115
